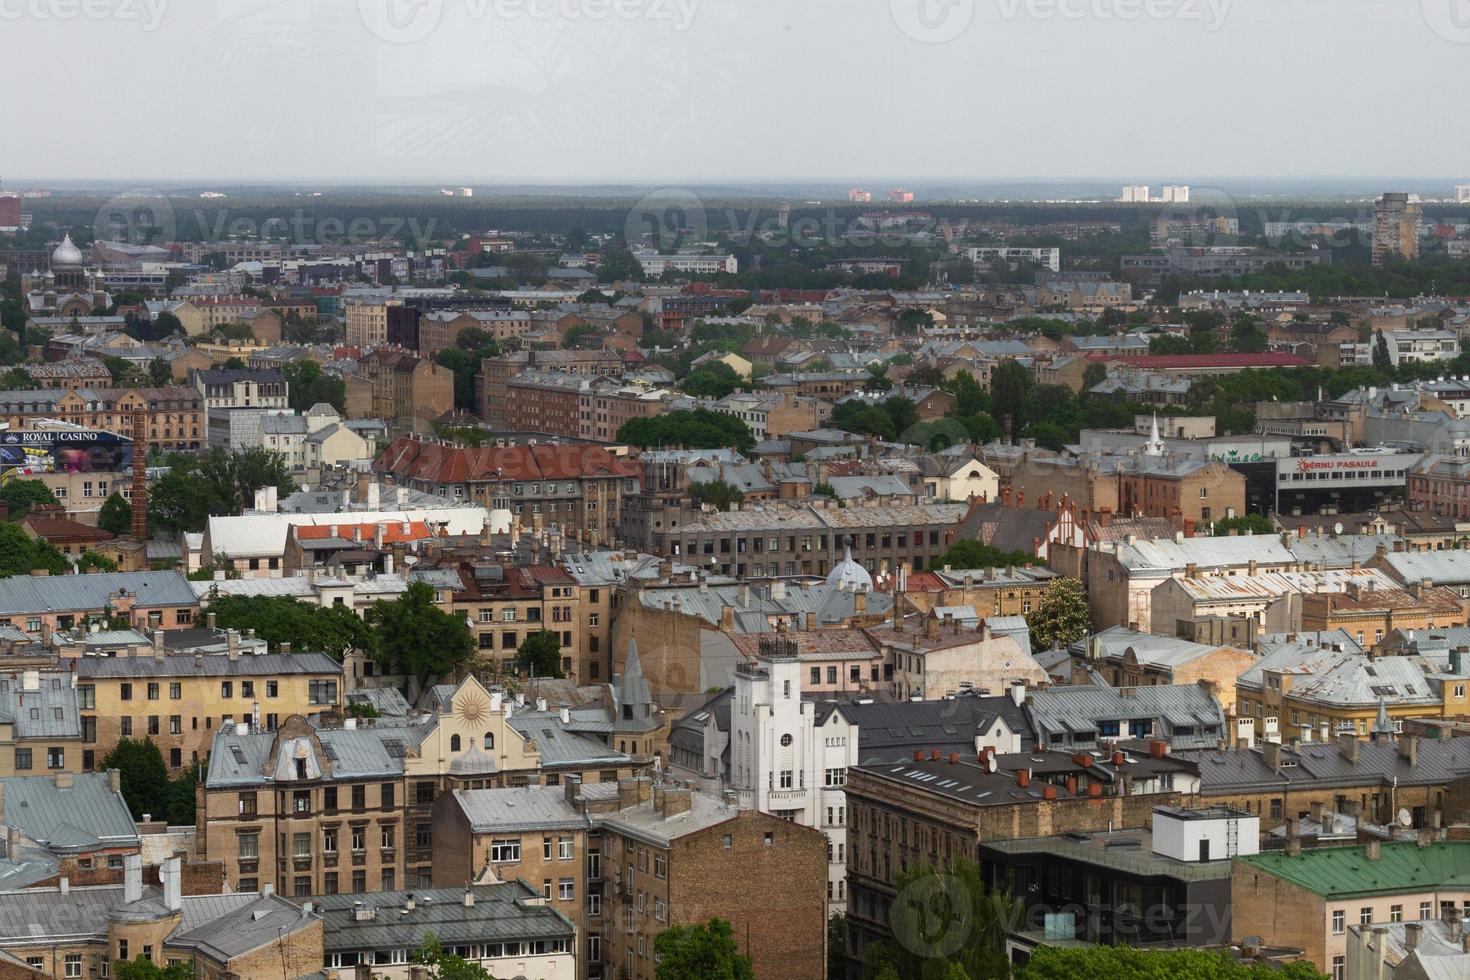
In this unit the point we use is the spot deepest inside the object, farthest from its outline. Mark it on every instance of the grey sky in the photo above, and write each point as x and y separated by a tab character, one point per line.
663	90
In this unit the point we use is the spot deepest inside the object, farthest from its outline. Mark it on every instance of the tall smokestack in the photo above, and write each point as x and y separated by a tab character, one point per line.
140	478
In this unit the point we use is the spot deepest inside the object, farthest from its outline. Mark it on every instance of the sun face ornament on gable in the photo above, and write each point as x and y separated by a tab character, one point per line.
472	707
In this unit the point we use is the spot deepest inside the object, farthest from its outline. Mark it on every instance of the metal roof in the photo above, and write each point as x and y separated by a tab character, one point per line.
49	711
1067	710
1346	872
501	912
521	808
84	816
183	665
81	593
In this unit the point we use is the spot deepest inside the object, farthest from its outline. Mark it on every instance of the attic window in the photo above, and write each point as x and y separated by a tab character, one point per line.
238	754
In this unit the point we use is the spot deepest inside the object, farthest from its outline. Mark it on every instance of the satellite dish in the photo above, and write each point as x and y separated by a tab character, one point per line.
1405	818
1337	528
990	763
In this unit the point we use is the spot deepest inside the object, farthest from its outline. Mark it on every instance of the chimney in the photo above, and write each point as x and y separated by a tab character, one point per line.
931	627
114	783
1271	754
173	879
1409	749
65	780
1294	847
132	878
1023	778
1455	922
1411	935
469	897
1347	746
1373	850
158	644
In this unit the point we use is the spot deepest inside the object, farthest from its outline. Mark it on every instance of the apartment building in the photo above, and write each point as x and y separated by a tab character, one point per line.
180	702
790	756
173	418
655	265
506	604
396	384
147	600
1397	218
1178	489
496	373
242	388
577	488
367	322
354	805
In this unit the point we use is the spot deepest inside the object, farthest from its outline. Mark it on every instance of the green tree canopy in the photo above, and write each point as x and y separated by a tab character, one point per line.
1010	382
418	637
144	776
21	495
720	494
703	951
216	482
309	386
91	561
116	516
446	966
1130	963
309	628
141	969
21	555
540	654
1061	615
712	379
1245	524
1170	343
973	554
943	921
699	429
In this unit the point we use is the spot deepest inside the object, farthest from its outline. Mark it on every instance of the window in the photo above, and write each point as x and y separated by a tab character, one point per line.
321	692
785	778
454	743
1365	915
565	889
73	965
152	690
359	797
329	841
836	777
1396	913
1339	967
660	866
176	691
249	846
359	839
55	758
226	689
301	845
22	758
1424	910
505	851
387	838
563	848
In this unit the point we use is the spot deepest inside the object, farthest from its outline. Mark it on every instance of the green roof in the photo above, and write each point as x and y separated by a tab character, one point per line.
1346	872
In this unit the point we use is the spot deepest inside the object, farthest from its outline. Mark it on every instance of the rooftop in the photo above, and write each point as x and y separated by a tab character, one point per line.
1346	872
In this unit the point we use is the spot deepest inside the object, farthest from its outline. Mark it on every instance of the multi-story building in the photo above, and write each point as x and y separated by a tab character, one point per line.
1048	258
577	488
686	262
236	388
506	604
1306	897
147	600
497	372
351	809
1397	217
395	384
40	731
173	418
790	756
1180	489
71	372
367	322
179	702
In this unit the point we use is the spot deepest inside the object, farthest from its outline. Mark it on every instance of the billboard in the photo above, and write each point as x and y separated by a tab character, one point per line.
30	453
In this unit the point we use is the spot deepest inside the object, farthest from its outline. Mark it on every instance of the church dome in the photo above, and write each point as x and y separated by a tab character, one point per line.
66	254
849	576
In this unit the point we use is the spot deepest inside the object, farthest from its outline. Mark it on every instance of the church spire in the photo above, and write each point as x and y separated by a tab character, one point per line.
1155	444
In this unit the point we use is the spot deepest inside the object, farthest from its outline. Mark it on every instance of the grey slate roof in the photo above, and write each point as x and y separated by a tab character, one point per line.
66	593
212	666
1059	713
558	745
892	730
645	823
354	753
85	816
517	809
48	712
502	912
1320	765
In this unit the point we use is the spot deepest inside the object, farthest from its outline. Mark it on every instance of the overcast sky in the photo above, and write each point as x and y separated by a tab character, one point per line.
657	90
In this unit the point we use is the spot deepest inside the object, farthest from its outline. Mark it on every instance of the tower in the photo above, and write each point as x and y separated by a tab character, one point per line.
140	478
1155	444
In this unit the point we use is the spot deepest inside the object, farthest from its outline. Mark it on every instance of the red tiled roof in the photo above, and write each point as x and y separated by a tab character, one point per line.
1165	361
64	529
393	531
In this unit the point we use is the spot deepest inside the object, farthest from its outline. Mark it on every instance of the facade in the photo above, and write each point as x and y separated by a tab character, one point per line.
180	702
231	388
402	385
147	600
173	418
790	756
1396	223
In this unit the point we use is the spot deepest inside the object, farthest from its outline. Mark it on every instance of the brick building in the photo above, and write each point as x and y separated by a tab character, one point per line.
1180	490
577	488
172	417
395	384
496	373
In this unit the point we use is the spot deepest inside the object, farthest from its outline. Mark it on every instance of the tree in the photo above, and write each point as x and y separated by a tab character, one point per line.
215	482
1095	374
837	947
17	379
180	805
1246	524
418	637
1061	614
912	321
973	554
160	373
1382	360
309	386
116	516
712	379
943	921
446	966
1170	343
91	561
540	655
143	775
282	619
1009	384
21	495
703	951
1131	963
141	969
699	429
20	555
720	494
464	368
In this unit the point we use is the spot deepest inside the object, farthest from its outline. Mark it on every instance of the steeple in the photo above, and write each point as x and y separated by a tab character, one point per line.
634	709
1155	444
1382	727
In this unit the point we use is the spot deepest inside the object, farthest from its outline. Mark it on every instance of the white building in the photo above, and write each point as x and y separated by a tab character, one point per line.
1422	345
1462	193
1176	194
656	265
1050	258
790	757
1134	194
